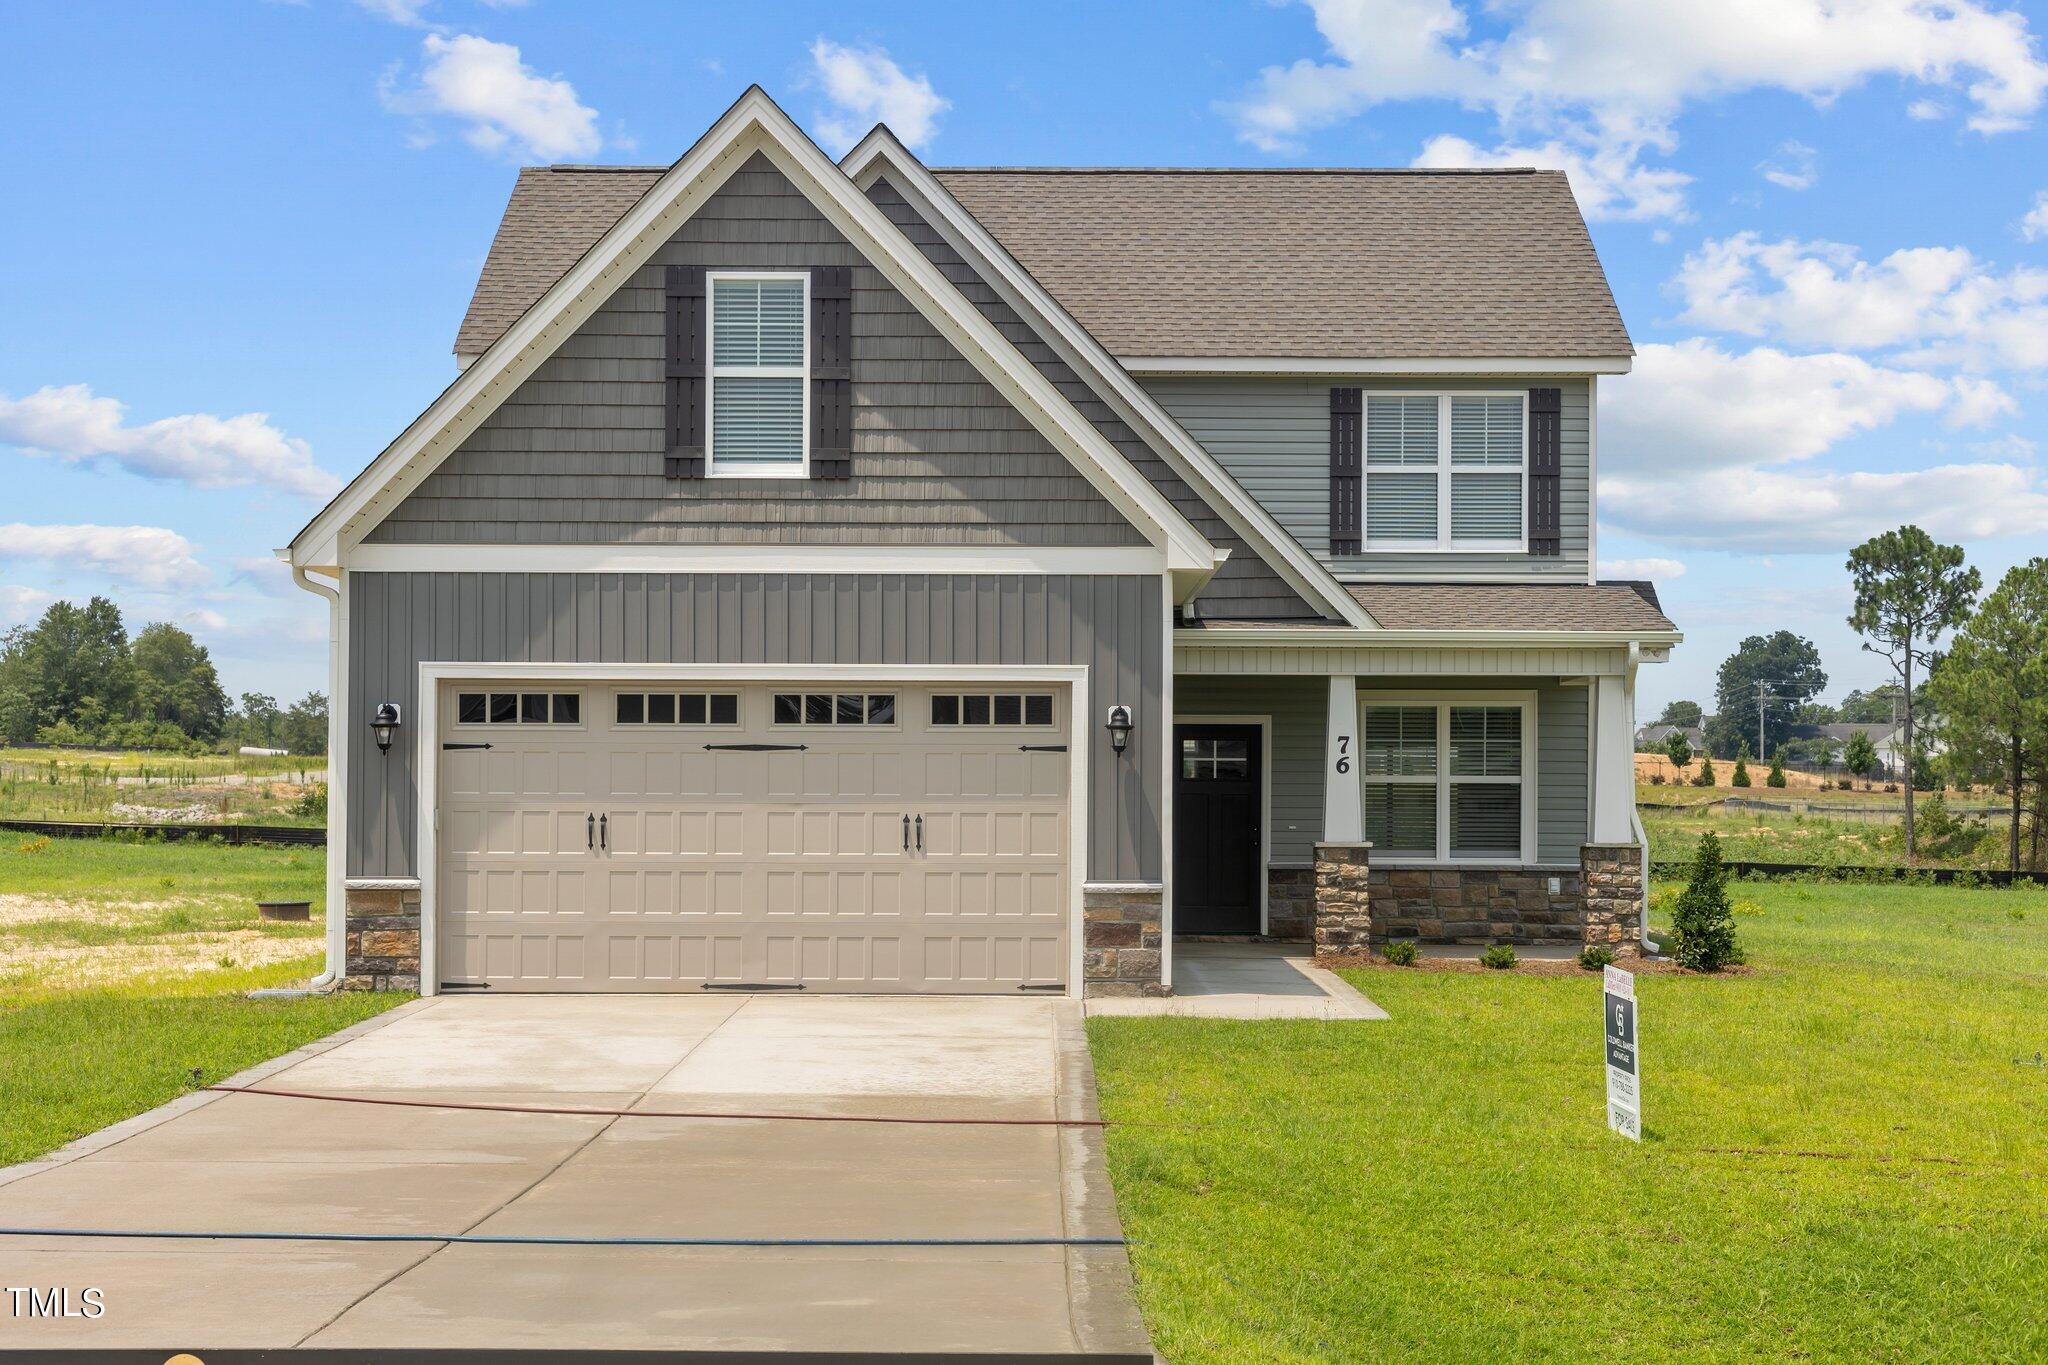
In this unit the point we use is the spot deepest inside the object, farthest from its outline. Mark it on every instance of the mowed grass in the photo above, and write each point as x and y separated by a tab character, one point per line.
125	965
1844	1155
74	1061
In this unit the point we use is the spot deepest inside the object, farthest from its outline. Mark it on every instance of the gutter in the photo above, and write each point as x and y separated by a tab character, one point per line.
337	787
1353	639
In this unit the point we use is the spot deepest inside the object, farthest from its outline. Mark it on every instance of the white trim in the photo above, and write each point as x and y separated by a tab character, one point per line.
1112	888
753	124
336	909
1132	402
1199	638
755	469
1444	700
868	559
1592	478
427	752
383	883
1421	365
1445	472
1167	762
1264	723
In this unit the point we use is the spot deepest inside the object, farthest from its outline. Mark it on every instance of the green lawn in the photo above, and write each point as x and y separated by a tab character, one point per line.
1844	1159
125	964
1766	836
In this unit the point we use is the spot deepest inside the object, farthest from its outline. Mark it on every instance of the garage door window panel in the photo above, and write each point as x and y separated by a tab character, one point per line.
836	709
686	709
1033	710
518	708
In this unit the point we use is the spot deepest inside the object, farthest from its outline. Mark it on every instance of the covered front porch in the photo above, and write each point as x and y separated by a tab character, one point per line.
1454	793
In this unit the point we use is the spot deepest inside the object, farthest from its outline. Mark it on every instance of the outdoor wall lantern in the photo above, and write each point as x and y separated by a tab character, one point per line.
1119	724
384	724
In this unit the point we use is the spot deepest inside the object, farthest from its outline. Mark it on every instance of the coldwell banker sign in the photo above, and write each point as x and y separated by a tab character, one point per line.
1624	1089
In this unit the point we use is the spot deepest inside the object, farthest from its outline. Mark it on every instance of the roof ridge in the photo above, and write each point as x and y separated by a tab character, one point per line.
1241	170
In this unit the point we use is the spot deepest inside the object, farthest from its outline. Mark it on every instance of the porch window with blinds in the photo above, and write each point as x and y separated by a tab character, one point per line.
1445	471
1447	781
759	363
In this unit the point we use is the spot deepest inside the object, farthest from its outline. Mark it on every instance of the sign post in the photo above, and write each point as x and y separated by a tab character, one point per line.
1624	1081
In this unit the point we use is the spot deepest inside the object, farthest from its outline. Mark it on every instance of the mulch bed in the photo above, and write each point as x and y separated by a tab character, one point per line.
1527	966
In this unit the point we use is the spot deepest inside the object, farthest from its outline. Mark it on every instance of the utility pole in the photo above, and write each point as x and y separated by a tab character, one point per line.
1761	685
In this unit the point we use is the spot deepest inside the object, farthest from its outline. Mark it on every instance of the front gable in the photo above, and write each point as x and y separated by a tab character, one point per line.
990	478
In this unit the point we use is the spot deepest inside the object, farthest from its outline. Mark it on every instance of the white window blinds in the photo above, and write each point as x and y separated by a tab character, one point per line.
1445	471
758	333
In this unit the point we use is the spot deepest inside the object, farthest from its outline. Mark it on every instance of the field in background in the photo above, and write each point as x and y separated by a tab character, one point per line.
1838	829
155	788
1843	1155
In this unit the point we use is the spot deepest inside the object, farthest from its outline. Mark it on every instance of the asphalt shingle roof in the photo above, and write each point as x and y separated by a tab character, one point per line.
1321	264
1513	606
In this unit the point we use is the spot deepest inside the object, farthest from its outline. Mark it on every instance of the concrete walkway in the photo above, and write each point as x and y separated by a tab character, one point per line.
1249	981
245	1162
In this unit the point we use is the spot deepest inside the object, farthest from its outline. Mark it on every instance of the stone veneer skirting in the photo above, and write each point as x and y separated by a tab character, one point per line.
1122	941
383	950
1356	903
1291	902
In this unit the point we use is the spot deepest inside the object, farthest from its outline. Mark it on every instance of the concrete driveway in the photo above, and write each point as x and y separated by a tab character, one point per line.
217	1162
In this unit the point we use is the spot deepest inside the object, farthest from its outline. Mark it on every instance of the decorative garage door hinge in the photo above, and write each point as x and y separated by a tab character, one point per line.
450	744
757	748
1042	748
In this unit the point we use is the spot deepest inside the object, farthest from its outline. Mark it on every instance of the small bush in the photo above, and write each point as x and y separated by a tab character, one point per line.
1705	776
41	845
1656	779
1776	776
1741	777
1746	909
1498	958
1703	918
1400	952
1594	956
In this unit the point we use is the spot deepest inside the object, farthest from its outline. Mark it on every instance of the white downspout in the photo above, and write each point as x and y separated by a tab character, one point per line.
1635	816
337	790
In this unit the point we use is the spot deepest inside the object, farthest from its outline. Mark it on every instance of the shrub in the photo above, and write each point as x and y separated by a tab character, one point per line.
1656	779
1594	956
1747	909
1776	776
41	845
1705	776
1400	952
1498	958
1741	778
313	805
1703	918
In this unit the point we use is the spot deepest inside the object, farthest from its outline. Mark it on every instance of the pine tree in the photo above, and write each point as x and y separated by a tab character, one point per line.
1703	917
1706	773
1776	776
1741	778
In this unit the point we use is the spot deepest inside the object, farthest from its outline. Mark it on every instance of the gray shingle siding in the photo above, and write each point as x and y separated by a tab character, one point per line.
1113	624
1246	586
1273	435
1298	707
574	456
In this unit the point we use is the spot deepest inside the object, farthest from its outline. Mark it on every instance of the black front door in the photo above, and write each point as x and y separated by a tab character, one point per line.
1217	866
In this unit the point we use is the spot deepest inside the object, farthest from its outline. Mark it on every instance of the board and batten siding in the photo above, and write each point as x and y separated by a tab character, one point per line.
1298	706
1246	586
1111	623
574	455
1273	435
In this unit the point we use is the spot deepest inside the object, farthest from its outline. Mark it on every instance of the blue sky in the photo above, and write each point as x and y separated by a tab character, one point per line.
240	237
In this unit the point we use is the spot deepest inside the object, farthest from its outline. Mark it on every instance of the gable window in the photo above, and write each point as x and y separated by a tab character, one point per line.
1450	780
760	360
1446	471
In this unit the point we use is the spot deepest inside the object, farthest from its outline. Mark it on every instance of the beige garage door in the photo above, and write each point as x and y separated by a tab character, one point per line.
679	837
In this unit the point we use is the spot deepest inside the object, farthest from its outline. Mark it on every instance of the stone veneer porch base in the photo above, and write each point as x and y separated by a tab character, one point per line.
1356	904
1123	941
383	944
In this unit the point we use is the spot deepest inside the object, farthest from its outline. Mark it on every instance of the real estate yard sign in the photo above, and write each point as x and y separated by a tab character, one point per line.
1624	1090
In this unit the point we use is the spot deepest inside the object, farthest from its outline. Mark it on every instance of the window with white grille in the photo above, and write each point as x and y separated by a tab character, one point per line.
1445	471
1449	780
760	356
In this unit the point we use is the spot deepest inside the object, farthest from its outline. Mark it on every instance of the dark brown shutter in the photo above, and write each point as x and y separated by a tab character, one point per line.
1546	471
832	372
684	337
1346	421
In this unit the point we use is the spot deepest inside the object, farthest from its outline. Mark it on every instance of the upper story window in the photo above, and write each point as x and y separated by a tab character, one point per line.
760	360
1446	471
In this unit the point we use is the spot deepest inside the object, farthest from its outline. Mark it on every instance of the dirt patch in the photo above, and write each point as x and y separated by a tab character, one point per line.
1528	966
1649	766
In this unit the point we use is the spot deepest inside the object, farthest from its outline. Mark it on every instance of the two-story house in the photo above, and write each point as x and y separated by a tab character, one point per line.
861	576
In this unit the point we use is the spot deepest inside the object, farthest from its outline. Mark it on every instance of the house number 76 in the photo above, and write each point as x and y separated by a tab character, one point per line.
1343	753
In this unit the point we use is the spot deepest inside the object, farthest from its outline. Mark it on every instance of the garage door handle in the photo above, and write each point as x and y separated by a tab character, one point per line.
604	831
906	834
920	834
589	831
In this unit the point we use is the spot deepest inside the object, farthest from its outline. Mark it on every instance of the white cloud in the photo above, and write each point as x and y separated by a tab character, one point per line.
503	105
1794	166
1926	110
20	604
197	448
1651	568
2034	226
1608	78
1941	302
147	556
1704	446
410	13
866	86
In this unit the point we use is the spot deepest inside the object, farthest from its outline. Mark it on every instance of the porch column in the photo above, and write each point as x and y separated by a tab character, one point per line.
1343	821
1614	763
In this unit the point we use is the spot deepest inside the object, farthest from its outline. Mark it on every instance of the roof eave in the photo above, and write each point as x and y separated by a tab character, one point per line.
1390	365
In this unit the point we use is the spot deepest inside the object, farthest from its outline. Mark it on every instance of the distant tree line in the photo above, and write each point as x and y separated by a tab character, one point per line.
1982	703
76	677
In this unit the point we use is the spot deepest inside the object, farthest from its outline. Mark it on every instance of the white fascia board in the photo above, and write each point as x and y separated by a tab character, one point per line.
880	151
1460	639
753	124
1560	366
380	557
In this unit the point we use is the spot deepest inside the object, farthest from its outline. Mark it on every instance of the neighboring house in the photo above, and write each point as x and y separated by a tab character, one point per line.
1888	738
862	577
1653	738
